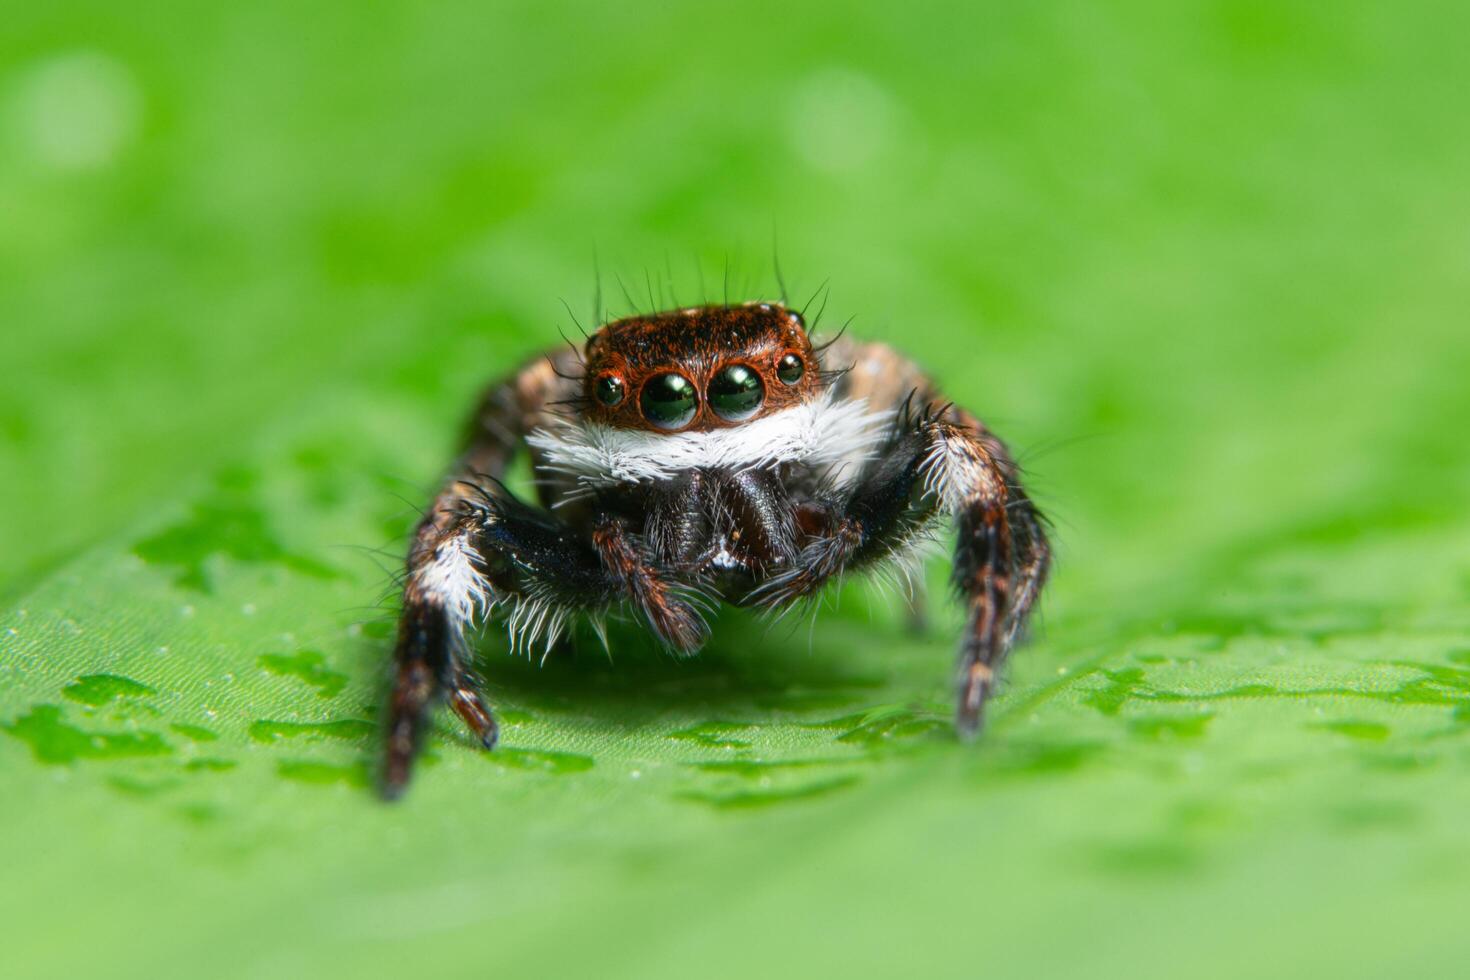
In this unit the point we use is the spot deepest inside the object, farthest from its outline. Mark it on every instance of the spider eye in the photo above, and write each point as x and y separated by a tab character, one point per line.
736	393
669	401
790	369
610	390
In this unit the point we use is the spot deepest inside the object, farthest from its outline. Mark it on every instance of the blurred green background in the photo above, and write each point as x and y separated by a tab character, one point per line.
1205	265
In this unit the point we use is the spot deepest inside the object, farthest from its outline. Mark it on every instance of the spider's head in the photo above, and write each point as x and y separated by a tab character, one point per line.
700	368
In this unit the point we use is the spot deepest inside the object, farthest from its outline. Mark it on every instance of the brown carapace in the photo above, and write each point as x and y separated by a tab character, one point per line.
755	358
699	455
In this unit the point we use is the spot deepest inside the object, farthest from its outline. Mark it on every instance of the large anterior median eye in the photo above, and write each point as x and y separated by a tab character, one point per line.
736	393
669	401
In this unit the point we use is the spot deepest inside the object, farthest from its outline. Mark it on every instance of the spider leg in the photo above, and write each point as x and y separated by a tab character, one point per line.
1001	555
883	516
442	591
495	551
430	659
941	461
671	610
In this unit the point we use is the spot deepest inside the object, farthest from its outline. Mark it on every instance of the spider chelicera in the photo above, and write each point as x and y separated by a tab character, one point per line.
704	453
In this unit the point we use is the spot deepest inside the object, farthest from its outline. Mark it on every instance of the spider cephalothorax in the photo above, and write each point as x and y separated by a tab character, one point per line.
708	453
700	368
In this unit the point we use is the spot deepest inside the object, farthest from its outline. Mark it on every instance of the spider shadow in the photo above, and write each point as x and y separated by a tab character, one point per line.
747	668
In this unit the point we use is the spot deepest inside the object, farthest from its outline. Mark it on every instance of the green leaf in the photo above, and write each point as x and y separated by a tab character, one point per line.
1203	266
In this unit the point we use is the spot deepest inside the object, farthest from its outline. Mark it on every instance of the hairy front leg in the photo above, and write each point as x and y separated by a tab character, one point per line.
884	516
497	553
501	553
941	462
669	608
442	592
1001	555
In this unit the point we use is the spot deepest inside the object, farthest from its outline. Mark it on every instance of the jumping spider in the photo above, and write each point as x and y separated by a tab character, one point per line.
704	453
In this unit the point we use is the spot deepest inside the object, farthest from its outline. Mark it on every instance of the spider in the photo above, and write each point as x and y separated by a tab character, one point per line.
701	454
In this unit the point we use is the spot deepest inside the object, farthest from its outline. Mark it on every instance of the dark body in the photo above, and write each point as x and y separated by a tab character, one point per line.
734	524
701	455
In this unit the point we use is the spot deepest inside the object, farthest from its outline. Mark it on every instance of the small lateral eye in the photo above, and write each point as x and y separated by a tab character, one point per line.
736	393
610	390
790	369
669	401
